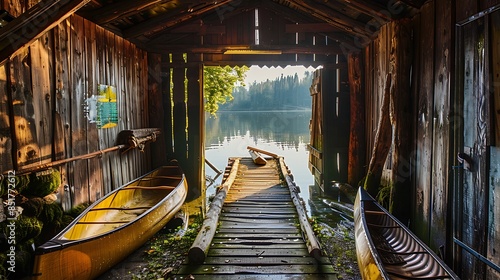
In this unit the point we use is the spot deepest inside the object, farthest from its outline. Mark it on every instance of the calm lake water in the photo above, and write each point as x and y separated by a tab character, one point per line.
282	133
285	133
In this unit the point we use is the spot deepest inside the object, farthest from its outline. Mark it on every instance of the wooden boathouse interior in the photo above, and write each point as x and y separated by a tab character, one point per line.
407	94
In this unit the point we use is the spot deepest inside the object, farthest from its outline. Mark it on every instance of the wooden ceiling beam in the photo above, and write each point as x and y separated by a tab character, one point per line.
161	22
120	9
220	49
285	11
199	28
319	27
333	17
414	3
29	26
370	8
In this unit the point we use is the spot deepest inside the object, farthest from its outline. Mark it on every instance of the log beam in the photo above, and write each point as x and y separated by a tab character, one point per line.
383	139
201	244
312	243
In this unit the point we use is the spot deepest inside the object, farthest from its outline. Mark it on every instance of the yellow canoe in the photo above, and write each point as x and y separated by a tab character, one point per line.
386	249
113	227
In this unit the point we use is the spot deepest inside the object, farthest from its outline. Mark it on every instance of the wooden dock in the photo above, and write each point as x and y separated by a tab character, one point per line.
259	232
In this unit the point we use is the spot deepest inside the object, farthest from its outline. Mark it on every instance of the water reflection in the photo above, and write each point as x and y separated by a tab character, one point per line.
283	133
286	134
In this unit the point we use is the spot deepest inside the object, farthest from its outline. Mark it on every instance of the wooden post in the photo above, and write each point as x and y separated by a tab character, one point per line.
357	139
156	112
328	95
167	107
335	112
196	131
201	244
179	94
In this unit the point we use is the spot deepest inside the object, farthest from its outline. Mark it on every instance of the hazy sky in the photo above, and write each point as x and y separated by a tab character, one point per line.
261	74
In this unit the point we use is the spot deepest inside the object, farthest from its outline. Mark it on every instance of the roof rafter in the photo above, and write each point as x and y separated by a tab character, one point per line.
162	22
333	17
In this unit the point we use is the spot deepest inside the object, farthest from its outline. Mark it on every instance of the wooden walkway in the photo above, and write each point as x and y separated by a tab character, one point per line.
259	234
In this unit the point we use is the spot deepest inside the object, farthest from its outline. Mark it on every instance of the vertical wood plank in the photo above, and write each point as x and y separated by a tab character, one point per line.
424	97
95	187
144	163
155	109
493	253
167	100
78	122
196	130
111	77
441	159
6	148
123	79
179	97
357	140
402	47
100	70
474	218
494	212
23	110
62	112
41	77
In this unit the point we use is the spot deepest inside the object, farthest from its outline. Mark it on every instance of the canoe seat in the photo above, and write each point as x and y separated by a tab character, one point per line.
160	177
120	208
382	226
385	250
409	276
371	212
102	222
149	188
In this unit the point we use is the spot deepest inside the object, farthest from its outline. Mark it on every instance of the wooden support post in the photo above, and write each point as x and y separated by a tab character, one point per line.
179	94
329	109
201	244
196	131
156	113
335	111
357	139
166	101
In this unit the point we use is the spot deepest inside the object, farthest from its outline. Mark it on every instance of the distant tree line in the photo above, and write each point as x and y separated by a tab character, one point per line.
283	93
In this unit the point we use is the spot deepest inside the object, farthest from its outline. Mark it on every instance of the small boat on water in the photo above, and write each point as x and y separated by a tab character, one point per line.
113	227
386	249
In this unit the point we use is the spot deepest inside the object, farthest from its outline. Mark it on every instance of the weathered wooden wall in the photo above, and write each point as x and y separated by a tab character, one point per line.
450	107
477	189
43	92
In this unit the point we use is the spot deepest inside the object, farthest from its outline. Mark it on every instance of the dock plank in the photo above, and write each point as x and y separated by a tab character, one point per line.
258	234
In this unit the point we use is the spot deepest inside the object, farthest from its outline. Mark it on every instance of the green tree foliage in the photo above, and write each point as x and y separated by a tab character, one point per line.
219	83
283	93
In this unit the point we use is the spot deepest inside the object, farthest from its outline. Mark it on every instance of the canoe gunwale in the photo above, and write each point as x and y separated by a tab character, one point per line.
364	207
59	242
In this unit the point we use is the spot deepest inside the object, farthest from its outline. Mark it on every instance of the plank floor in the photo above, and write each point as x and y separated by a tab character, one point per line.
259	235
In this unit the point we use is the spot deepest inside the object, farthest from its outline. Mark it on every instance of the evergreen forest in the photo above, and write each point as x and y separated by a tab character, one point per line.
283	93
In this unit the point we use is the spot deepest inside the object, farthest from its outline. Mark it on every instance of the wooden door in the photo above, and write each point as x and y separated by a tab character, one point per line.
476	183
